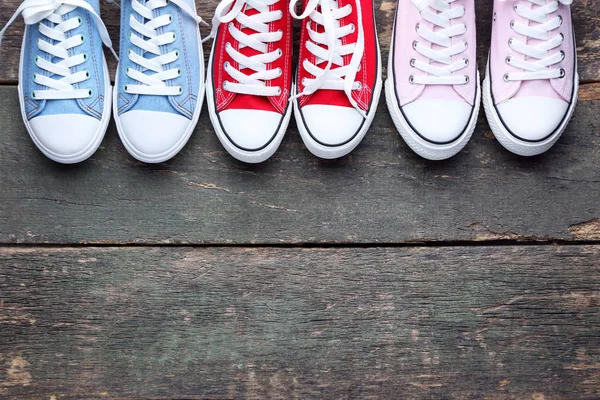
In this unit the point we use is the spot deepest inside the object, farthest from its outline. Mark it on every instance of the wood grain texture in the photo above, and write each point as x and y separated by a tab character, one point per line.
267	323
380	193
586	19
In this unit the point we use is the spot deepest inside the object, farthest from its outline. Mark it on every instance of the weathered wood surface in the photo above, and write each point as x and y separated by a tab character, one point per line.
586	17
265	323
381	193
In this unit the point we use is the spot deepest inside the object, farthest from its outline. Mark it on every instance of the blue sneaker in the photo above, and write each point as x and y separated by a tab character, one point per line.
159	85
64	87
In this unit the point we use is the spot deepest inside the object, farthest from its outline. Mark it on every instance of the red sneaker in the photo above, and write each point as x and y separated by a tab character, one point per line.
339	74
249	76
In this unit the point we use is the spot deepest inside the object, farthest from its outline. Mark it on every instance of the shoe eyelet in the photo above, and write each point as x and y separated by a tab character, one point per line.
510	42
512	24
279	52
82	39
125	89
508	60
466	45
506	77
225	83
562	55
411	79
87	74
560	19
85	57
34	77
466	61
33	94
360	86
278	90
303	81
467	79
279	70
280	31
79	21
516	7
417	26
174	36
413	61
179	72
170	17
180	91
226	64
227	45
352	28
415	44
562	73
562	37
90	93
176	53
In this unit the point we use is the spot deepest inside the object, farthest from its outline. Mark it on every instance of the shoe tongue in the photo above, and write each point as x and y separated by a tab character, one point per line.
537	87
247	51
321	29
326	96
245	101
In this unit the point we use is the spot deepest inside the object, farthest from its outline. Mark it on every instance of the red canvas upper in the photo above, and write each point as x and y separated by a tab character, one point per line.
228	100
367	74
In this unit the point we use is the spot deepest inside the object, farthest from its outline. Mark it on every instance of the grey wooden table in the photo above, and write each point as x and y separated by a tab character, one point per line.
379	275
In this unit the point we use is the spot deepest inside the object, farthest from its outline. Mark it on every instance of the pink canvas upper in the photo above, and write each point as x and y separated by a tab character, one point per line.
405	33
559	88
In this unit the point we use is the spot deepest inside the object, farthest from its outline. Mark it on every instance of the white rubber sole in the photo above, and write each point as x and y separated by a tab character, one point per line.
180	144
509	141
332	152
93	145
247	156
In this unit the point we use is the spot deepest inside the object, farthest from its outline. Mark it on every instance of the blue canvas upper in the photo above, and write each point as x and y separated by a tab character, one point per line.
94	64
186	43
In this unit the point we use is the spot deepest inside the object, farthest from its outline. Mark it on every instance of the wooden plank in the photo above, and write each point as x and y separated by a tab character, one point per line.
267	323
380	193
585	18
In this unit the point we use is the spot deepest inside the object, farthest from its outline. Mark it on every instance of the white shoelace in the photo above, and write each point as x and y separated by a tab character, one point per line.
52	11
443	72
254	81
152	74
538	60
336	75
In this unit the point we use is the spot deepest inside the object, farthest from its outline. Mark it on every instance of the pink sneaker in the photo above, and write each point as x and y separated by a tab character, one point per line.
531	85
432	89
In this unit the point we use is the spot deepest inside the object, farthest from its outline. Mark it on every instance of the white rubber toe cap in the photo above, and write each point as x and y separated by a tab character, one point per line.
438	120
332	125
250	129
532	118
154	136
64	137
